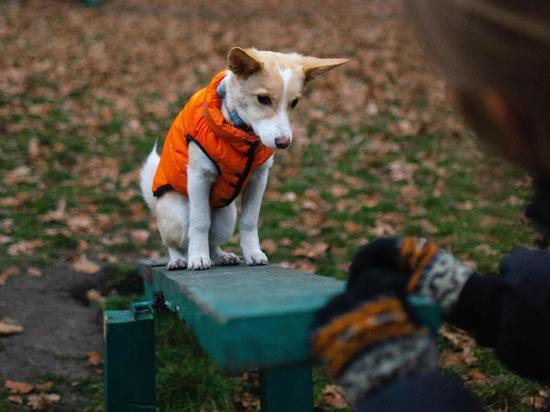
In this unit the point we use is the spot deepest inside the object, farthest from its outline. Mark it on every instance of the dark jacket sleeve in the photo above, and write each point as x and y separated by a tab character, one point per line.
511	313
423	393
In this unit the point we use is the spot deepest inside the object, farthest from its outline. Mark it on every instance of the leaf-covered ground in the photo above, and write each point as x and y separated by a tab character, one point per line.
85	92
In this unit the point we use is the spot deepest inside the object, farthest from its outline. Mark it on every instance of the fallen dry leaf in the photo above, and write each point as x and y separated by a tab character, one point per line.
94	296
18	387
338	190
247	401
311	251
84	265
464	344
34	271
351	181
352	227
486	249
6	225
285	241
514	200
16	399
468	262
57	215
80	223
43	402
97	170
8	272
115	240
18	200
449	358
305	266
465	206
94	358
489	221
427	227
45	386
10	326
138	212
535	401
372	200
405	127
410	192
476	375
382	229
309	204
458	337
34	148
140	236
269	246
400	170
82	246
334	397
21	174
107	257
5	239
25	247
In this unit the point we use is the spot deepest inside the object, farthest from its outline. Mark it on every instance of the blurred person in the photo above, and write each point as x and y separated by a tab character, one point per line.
495	55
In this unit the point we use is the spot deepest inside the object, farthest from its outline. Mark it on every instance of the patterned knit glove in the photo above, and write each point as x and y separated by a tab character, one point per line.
426	270
367	338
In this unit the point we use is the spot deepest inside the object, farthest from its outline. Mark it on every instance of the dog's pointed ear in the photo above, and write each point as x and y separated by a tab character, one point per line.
314	66
243	62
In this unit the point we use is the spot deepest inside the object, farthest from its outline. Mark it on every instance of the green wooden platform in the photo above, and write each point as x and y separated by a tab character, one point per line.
248	316
244	317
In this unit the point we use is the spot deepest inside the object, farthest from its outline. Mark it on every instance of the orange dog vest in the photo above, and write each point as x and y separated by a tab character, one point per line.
236	153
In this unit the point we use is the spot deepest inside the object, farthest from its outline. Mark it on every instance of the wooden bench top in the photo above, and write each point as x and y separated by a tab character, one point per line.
247	316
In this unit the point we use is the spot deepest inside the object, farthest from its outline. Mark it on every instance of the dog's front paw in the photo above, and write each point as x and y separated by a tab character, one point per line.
256	258
227	259
177	264
199	263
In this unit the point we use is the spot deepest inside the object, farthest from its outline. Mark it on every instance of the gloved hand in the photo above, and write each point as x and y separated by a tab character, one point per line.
420	266
368	337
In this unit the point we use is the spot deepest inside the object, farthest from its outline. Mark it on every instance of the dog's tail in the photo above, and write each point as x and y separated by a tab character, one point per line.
147	173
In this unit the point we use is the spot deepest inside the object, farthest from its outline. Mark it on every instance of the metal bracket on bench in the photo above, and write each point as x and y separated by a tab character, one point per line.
149	307
141	310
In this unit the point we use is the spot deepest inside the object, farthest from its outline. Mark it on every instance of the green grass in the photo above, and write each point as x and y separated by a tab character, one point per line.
91	389
186	379
505	390
5	406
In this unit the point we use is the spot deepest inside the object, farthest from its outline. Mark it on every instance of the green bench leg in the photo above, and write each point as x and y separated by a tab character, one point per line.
145	268
129	361
288	389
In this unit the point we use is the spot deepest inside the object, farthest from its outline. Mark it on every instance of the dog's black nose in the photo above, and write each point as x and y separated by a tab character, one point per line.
282	142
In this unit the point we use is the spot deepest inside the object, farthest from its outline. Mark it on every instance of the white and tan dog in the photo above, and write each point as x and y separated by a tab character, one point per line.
256	94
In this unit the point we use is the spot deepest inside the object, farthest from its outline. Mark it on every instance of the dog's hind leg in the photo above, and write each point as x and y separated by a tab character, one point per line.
172	210
221	230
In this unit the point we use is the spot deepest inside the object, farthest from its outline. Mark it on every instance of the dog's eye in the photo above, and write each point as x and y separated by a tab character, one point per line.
264	100
294	103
